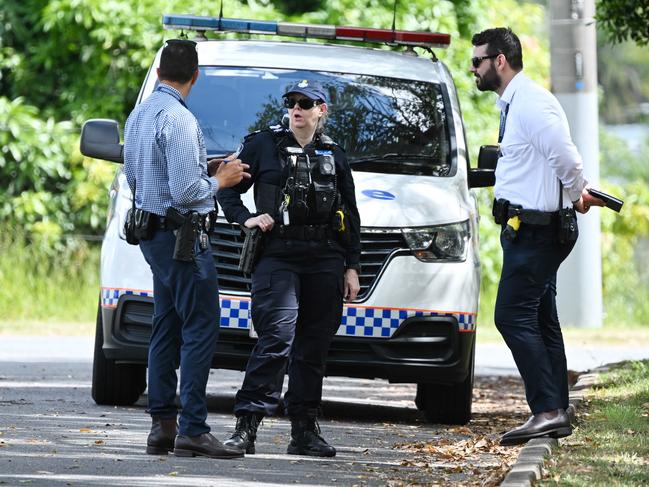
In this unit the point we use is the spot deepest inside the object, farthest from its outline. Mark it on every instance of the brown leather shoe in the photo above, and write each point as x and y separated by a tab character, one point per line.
204	445
161	438
552	423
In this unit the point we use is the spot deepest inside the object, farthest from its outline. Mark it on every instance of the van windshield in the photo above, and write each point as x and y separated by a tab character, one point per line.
385	125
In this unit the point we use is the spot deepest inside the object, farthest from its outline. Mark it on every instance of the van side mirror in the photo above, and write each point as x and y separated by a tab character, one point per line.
100	139
488	156
485	175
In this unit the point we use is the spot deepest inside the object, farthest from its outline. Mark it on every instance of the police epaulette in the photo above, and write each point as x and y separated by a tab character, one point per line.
327	141
278	129
251	134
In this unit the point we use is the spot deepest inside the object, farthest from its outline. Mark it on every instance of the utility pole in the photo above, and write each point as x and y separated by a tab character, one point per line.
573	50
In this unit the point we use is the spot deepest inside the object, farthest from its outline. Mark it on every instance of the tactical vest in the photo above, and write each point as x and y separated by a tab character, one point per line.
308	193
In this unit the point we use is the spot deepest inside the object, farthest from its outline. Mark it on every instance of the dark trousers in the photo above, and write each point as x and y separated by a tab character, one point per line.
185	328
296	310
526	314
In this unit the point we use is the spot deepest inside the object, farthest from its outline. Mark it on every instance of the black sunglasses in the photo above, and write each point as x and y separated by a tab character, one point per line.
304	103
477	61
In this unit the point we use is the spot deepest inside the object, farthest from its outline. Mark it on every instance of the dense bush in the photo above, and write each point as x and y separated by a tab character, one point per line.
64	61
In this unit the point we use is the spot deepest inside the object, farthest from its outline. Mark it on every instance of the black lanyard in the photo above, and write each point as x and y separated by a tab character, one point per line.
503	122
170	91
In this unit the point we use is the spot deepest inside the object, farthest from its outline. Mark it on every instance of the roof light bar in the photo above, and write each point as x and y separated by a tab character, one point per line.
291	29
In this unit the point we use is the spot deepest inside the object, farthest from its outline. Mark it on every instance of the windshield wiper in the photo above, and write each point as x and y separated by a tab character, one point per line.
219	153
391	157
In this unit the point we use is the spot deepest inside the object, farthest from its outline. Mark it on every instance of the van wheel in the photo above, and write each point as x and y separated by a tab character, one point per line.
446	403
114	384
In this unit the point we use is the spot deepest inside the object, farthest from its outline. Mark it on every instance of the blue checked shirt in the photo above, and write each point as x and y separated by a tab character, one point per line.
165	157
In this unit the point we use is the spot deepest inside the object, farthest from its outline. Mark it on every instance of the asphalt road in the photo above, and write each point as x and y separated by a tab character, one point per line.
52	433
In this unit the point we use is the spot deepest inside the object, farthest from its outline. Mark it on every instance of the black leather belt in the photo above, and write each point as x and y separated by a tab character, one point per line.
303	232
207	222
503	210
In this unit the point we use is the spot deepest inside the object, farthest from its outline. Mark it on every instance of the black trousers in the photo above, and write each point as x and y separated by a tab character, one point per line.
296	309
526	314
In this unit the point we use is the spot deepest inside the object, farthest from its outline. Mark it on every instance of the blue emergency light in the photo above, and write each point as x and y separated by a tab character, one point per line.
291	29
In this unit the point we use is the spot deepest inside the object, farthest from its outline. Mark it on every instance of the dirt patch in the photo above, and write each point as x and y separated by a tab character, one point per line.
470	455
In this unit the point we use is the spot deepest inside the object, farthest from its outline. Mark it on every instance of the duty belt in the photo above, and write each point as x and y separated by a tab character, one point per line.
207	222
503	210
303	232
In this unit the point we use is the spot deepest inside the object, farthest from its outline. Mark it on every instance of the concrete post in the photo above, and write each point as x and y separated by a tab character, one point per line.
574	82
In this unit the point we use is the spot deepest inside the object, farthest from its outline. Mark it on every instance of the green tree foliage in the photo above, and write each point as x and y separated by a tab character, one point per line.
624	20
622	72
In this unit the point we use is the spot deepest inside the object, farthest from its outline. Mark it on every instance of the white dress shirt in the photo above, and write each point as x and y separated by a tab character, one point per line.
537	149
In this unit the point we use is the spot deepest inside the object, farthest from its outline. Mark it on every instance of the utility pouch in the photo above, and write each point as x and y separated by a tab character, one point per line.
252	249
186	234
129	228
568	230
138	226
500	211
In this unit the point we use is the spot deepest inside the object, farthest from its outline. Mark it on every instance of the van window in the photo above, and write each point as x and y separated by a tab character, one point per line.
385	125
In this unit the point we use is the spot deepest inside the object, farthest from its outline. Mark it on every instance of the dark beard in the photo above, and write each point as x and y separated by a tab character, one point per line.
490	81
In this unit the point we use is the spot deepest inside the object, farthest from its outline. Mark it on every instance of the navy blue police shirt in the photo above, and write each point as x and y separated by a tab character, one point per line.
260	151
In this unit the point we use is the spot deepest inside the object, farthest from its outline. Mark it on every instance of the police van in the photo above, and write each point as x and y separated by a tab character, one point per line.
396	114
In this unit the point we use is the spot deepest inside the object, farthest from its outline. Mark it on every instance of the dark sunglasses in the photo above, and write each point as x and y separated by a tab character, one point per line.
477	61
304	103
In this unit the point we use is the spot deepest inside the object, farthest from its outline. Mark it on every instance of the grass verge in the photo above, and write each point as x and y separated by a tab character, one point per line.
611	445
43	283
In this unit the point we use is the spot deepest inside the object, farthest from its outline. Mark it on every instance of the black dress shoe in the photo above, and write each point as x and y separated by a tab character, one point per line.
161	438
204	445
557	426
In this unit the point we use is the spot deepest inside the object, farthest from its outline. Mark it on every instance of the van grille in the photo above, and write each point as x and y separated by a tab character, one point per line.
377	245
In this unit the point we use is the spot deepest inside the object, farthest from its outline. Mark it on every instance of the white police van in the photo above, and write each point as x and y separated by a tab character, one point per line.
397	116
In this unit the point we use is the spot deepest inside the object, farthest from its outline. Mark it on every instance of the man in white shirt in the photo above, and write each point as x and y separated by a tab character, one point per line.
539	170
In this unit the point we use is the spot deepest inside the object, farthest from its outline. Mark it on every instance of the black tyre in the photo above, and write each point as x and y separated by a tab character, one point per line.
447	403
114	384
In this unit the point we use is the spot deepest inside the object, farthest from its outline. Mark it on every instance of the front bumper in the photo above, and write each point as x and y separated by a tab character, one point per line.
422	348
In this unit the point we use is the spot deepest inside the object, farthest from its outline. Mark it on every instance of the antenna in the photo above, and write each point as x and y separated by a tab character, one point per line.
220	14
394	16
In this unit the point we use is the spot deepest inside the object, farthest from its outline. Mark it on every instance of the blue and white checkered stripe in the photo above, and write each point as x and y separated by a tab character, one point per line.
357	321
235	313
110	297
382	323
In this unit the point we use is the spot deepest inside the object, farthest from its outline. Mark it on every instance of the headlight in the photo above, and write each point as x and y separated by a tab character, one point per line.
446	243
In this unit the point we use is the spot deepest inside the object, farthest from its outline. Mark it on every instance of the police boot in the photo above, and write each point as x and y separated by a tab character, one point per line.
306	439
245	433
162	436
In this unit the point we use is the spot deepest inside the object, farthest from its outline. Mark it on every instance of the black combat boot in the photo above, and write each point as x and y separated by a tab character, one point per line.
245	432
162	436
306	439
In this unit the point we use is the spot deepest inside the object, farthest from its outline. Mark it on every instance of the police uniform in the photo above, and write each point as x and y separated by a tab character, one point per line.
297	285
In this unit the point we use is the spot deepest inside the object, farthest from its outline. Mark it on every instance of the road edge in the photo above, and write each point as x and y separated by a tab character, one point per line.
528	467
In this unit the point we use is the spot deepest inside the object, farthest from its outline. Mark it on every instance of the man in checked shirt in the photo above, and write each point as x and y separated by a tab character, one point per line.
166	166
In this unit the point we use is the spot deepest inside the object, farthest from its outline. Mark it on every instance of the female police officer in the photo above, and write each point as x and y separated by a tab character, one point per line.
302	182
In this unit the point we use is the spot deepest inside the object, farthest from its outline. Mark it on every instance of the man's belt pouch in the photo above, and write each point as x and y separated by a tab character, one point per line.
500	211
568	230
138	226
252	249
186	233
